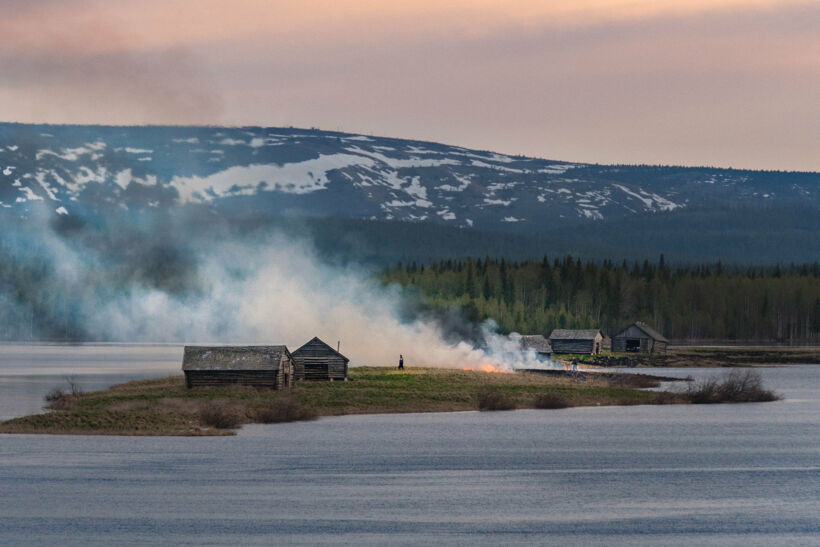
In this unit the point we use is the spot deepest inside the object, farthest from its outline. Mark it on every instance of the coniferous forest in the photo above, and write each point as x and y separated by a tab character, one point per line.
690	303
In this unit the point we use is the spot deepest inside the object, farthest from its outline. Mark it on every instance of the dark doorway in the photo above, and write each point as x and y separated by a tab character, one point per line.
633	345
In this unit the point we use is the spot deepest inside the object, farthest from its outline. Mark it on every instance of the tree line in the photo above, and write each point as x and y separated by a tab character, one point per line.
687	303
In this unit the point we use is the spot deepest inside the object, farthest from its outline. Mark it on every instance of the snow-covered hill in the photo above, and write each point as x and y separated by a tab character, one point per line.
81	169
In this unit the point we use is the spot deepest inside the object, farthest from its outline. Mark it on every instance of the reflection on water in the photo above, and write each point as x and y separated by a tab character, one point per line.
645	475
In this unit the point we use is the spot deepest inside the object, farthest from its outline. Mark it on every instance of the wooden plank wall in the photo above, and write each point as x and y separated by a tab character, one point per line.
572	346
648	345
260	378
298	370
324	367
321	364
287	372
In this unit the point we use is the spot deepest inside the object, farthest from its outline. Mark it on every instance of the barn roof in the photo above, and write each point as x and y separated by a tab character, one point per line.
652	333
569	334
536	342
318	343
233	357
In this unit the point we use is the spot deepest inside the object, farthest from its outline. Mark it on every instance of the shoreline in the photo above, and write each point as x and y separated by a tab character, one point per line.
165	407
702	357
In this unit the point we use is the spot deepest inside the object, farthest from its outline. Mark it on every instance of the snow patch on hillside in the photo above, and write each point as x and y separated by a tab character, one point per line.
29	195
396	163
477	163
124	178
91	149
504	202
291	178
650	200
49	190
464	183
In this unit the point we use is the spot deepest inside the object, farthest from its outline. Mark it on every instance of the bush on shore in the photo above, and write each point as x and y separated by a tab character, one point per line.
59	399
494	400
220	415
550	401
735	387
283	410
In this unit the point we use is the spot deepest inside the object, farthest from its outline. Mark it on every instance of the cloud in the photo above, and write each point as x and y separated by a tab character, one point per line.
721	82
65	62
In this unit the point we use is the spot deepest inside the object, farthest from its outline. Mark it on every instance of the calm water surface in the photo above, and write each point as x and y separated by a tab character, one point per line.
27	372
646	475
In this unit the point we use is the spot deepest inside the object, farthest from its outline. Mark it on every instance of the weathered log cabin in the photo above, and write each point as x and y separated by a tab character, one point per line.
589	341
318	361
259	366
639	338
537	343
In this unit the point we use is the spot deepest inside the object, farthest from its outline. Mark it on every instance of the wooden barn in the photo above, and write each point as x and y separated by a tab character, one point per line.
538	343
577	341
318	361
639	338
260	366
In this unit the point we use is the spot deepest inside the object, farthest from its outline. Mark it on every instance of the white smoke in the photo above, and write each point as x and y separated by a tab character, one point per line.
274	292
297	298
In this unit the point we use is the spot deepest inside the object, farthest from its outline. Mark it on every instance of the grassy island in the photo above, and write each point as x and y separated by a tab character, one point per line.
166	407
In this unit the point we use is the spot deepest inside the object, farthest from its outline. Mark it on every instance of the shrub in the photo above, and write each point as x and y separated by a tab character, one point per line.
57	399
283	410
551	400
73	386
494	400
735	387
54	395
220	415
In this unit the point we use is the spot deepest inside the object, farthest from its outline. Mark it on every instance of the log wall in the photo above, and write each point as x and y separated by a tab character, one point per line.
577	346
647	345
257	378
571	346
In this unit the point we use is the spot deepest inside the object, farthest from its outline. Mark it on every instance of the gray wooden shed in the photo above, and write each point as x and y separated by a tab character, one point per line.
261	366
537	343
318	361
639	338
577	341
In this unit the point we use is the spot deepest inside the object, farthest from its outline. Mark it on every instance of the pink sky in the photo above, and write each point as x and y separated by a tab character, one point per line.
695	82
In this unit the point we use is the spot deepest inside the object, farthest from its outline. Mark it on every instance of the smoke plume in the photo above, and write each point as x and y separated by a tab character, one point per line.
165	280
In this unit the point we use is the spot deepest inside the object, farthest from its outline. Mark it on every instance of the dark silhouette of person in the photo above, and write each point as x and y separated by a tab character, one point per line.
401	362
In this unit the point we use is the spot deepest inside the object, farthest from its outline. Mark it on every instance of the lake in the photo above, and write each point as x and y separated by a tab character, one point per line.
643	475
29	371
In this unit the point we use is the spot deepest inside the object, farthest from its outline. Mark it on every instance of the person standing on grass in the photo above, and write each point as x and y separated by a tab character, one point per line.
401	362
574	365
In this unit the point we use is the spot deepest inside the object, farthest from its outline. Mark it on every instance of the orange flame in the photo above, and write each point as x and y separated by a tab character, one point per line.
486	367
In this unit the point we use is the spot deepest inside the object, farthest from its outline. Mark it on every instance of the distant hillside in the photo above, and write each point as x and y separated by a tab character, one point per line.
386	198
749	236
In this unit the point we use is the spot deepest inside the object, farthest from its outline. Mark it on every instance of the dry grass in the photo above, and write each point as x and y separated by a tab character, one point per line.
550	401
283	410
494	400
